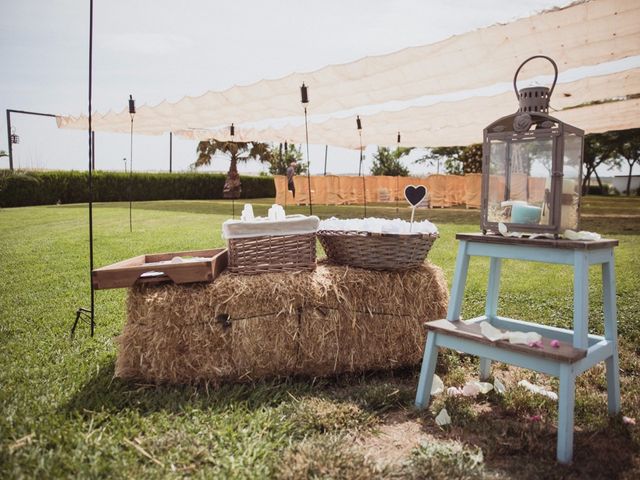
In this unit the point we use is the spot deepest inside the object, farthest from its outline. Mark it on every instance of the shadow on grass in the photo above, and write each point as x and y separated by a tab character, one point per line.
527	450
104	392
373	391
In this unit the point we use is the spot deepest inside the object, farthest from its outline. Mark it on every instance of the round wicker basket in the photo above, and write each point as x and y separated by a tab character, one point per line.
376	251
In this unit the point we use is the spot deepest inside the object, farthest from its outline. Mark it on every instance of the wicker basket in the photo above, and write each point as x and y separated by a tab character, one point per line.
273	253
376	251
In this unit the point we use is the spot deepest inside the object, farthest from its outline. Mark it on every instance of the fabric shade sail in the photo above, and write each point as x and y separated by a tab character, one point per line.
461	122
582	34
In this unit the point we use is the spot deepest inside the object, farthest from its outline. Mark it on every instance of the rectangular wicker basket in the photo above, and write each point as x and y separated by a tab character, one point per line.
272	253
376	251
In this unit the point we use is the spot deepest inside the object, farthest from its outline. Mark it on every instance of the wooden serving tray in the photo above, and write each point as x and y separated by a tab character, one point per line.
128	272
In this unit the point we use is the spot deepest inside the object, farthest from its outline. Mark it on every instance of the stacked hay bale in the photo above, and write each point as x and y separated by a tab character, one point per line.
244	327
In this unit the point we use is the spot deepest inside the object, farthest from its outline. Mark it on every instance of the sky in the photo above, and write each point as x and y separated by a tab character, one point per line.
160	50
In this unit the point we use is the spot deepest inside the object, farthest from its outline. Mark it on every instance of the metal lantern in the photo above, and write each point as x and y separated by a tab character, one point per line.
531	167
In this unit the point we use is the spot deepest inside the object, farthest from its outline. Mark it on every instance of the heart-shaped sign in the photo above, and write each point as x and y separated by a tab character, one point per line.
415	194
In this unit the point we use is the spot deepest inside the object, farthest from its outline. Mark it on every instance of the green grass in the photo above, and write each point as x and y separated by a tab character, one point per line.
62	414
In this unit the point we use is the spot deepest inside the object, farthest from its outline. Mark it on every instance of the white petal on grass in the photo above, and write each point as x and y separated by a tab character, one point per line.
474	388
538	389
437	387
443	418
471	389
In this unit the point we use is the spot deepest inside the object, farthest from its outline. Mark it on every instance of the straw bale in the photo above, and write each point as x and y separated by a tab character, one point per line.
244	327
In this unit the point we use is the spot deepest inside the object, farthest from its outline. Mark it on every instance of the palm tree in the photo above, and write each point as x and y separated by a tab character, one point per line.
238	152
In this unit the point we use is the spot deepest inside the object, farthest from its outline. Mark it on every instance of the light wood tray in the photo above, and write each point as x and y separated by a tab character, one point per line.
128	272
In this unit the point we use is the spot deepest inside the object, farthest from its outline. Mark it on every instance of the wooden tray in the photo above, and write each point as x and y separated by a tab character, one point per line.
128	272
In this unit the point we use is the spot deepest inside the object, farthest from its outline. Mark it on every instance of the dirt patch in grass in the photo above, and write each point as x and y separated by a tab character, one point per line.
392	442
326	457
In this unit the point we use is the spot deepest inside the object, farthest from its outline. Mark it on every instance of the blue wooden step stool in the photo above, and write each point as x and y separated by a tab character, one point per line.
578	350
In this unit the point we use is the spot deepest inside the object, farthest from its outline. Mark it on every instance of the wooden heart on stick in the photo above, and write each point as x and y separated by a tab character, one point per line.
415	194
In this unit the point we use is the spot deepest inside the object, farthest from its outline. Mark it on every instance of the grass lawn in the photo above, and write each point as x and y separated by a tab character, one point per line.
62	414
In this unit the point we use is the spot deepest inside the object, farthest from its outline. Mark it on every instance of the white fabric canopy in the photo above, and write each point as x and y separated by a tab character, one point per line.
582	34
461	122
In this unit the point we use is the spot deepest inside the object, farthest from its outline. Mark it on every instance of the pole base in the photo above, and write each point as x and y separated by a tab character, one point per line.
85	315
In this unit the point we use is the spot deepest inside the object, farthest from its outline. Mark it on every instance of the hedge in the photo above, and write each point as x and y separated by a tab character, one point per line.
23	188
606	189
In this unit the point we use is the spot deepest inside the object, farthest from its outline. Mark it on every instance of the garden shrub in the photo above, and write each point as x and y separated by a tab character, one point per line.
23	188
597	190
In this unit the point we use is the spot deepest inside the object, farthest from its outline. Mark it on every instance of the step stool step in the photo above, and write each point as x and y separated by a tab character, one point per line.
565	353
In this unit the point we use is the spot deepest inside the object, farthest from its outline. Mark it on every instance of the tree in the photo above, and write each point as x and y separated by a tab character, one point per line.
387	162
624	145
457	160
597	152
280	160
238	152
3	153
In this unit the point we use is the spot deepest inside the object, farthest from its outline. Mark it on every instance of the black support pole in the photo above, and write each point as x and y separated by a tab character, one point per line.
24	112
306	132
364	183
9	142
93	151
326	151
91	157
82	313
130	175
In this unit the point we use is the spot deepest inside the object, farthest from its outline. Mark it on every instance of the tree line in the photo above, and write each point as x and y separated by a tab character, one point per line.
609	149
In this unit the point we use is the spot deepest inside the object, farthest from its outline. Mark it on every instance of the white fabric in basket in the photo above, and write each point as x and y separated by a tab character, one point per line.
292	225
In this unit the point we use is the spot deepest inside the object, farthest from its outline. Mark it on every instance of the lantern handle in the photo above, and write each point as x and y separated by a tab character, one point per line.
555	68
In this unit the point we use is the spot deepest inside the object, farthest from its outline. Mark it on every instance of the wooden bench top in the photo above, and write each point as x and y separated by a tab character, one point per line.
538	242
566	353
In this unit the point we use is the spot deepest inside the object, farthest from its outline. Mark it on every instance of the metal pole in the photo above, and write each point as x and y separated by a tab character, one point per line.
82	312
9	140
306	130
326	150
170	150
283	159
360	166
9	112
397	192
397	181
90	173
130	174
364	184
93	150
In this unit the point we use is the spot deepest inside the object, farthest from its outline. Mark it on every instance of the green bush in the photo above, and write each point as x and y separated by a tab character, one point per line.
23	188
597	190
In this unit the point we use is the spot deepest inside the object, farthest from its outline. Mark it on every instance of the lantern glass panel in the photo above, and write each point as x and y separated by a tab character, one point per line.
519	171
571	181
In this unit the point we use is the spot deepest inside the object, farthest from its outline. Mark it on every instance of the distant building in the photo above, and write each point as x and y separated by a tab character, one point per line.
620	183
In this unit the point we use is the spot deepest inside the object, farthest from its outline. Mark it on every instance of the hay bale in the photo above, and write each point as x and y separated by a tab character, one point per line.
243	327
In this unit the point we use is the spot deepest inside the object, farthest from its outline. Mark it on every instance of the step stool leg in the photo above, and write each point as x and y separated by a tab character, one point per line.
459	281
611	334
580	300
427	371
566	404
485	369
491	307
